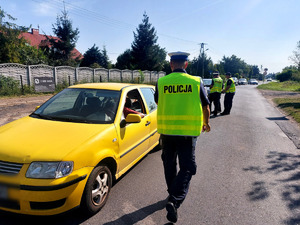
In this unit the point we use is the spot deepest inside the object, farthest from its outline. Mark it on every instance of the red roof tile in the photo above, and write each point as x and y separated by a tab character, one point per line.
36	39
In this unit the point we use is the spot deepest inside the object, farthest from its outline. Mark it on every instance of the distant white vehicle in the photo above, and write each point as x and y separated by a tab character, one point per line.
236	81
253	81
207	83
242	81
269	79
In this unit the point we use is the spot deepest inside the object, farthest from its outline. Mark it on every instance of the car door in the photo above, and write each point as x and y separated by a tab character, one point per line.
134	137
151	107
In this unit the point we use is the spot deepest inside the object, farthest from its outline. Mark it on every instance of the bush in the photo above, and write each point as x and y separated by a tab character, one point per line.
289	74
142	76
296	76
60	87
28	90
9	86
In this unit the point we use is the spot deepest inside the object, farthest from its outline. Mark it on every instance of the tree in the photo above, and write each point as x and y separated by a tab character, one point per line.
104	60
146	54
289	74
60	52
196	66
286	75
124	61
13	47
30	55
94	56
91	56
295	58
234	65
9	38
254	71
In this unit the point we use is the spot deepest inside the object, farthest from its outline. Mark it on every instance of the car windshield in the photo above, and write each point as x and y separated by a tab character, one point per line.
243	79
207	82
81	106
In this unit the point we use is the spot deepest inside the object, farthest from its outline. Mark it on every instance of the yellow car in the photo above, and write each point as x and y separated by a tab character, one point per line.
68	151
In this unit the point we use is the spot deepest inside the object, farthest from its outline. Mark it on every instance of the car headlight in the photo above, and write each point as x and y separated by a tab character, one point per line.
49	169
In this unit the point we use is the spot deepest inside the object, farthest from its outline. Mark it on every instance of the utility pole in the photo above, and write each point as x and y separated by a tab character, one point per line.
202	45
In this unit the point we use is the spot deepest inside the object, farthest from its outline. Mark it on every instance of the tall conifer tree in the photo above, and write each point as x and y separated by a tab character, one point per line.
146	54
61	49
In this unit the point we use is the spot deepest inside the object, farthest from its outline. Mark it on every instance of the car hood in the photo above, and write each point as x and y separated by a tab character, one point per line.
31	139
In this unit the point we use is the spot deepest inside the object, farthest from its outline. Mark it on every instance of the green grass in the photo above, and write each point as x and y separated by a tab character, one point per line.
281	86
290	105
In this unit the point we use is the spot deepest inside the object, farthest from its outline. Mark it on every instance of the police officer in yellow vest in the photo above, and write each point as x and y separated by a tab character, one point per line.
215	92
182	114
229	89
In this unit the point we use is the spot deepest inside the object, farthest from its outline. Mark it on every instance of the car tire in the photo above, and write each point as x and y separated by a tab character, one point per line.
96	190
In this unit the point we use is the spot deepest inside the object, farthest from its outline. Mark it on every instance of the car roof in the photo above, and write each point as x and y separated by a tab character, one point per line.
108	86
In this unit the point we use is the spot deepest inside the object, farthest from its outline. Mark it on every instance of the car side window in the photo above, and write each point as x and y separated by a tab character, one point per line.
134	102
148	94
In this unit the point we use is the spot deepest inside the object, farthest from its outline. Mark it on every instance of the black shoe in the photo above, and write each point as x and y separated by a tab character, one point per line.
224	113
172	212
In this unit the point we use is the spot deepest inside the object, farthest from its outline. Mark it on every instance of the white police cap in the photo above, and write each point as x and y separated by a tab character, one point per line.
179	55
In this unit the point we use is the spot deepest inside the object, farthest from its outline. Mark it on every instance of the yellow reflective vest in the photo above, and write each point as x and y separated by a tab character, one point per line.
232	86
179	110
218	83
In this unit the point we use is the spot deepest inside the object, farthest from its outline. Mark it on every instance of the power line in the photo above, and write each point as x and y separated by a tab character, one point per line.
80	11
97	17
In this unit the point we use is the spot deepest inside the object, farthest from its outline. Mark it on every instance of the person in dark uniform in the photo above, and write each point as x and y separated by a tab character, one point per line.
215	93
182	114
229	91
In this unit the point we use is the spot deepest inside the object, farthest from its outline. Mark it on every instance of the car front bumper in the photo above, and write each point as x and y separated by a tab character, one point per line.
42	196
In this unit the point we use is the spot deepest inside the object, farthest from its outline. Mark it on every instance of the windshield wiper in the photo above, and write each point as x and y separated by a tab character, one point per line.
42	116
65	119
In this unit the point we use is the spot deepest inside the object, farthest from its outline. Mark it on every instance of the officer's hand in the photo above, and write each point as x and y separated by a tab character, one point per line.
206	128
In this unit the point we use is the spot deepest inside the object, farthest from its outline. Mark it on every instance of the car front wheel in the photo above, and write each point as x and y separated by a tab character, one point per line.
97	190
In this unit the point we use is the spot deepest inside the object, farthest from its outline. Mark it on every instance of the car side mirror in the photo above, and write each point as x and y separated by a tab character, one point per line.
131	118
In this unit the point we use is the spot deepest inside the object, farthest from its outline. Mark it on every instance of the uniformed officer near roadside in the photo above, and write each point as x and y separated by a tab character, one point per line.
215	93
182	114
229	90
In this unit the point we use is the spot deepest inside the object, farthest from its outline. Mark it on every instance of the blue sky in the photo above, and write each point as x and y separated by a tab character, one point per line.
260	32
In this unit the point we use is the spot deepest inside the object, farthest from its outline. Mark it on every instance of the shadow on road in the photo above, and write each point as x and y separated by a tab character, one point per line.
139	215
70	218
277	118
76	217
280	164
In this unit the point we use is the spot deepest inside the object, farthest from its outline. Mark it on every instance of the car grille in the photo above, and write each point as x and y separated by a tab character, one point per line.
9	168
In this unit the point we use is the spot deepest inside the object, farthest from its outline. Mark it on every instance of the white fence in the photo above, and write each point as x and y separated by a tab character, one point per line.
60	74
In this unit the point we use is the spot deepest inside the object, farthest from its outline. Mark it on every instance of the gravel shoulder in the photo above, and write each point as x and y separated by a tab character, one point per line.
13	108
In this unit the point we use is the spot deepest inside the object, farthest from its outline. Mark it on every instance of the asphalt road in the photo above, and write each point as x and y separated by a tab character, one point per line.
248	174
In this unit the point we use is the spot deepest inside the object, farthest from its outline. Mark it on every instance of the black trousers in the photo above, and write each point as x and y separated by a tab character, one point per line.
182	149
215	98
228	102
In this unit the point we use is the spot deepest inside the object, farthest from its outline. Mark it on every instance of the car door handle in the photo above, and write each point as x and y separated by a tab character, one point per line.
148	123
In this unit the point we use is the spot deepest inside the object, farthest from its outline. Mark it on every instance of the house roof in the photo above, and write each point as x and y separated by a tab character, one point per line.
36	39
